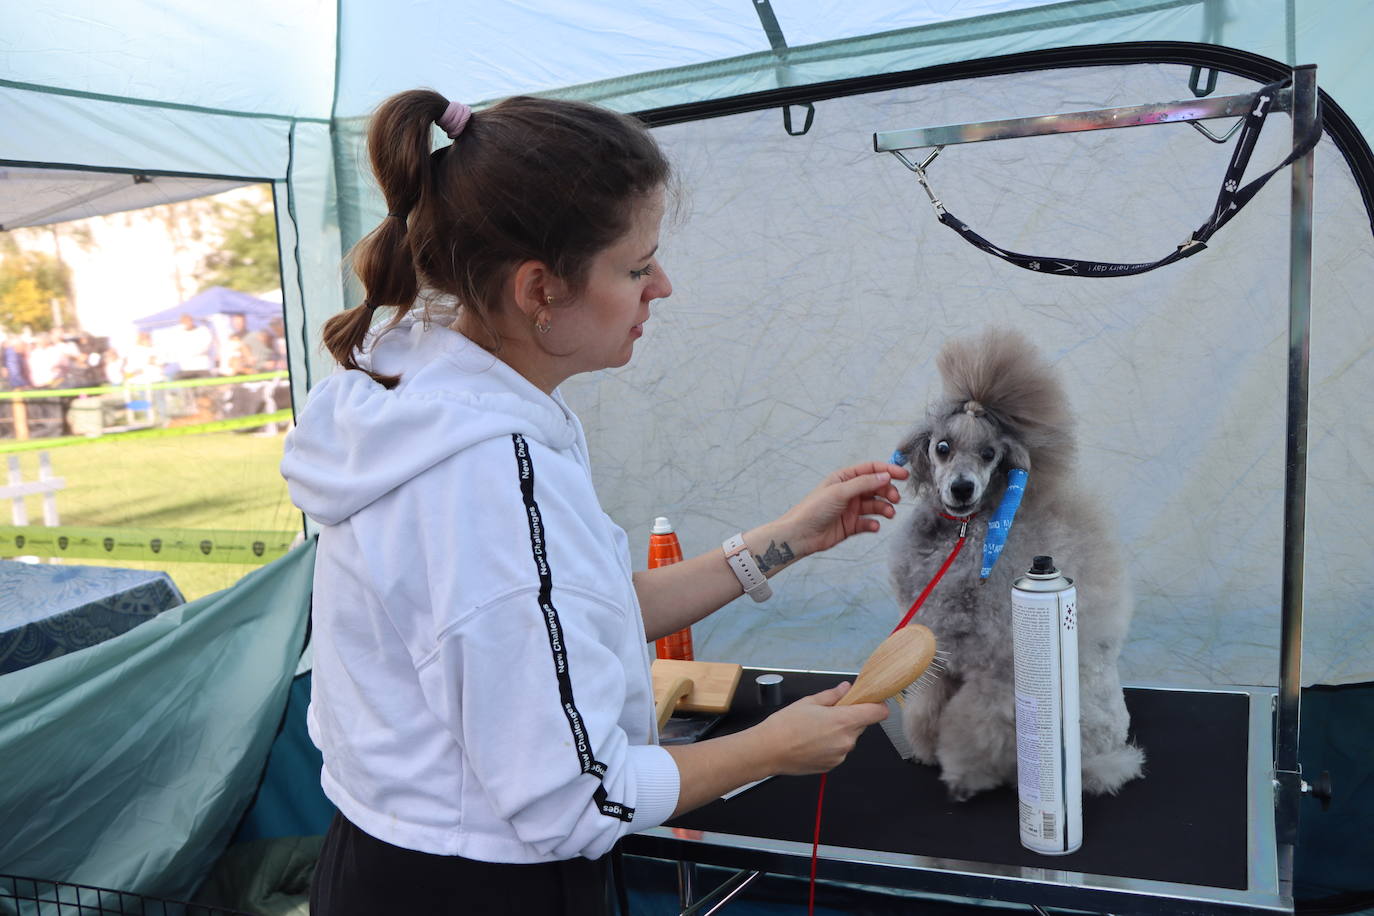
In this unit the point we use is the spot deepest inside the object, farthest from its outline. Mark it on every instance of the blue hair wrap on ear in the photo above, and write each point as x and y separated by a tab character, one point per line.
898	458
999	526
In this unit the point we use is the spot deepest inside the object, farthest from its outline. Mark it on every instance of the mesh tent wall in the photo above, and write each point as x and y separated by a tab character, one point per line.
778	414
825	255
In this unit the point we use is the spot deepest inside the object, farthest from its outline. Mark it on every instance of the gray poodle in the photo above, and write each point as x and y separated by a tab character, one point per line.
1004	408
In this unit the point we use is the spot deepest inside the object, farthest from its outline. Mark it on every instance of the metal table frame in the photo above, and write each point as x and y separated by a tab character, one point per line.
1275	785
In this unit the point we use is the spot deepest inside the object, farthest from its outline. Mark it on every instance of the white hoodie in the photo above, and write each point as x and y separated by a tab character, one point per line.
481	672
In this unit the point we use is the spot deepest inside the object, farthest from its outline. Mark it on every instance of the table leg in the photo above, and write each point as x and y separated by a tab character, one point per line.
716	900
686	884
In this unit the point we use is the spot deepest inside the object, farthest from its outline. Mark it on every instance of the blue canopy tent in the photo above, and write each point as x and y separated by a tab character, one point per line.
211	304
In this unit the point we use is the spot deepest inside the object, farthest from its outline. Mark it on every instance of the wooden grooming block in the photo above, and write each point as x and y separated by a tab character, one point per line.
710	686
899	661
665	702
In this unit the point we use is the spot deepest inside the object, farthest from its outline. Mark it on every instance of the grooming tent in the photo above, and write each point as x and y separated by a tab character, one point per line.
813	283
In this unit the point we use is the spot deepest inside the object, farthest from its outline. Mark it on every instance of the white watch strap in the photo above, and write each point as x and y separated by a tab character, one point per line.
747	569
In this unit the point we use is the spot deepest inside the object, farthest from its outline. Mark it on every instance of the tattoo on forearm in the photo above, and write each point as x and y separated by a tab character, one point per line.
776	555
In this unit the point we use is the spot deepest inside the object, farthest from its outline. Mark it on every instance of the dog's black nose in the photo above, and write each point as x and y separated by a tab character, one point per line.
962	490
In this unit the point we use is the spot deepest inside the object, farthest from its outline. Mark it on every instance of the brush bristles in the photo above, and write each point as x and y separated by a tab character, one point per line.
930	676
892	725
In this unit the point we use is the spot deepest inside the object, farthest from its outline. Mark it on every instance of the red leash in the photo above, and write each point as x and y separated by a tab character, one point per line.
815	844
949	561
915	606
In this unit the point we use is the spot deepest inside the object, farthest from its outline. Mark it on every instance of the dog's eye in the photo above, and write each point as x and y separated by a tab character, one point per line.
989	453
942	448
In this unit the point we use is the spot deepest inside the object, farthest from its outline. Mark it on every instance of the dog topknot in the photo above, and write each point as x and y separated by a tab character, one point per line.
1003	376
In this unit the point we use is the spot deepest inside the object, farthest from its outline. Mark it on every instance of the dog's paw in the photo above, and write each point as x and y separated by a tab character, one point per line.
922	745
960	793
919	724
1107	772
924	757
964	786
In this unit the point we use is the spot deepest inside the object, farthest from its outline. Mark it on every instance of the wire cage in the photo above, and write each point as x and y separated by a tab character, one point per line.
33	897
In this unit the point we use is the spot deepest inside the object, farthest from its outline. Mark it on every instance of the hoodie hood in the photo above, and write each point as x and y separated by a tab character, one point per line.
356	441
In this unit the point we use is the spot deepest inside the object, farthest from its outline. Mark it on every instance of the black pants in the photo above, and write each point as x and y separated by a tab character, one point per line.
359	875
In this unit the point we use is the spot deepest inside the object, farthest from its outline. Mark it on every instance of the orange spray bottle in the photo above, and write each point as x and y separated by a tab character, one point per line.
663	551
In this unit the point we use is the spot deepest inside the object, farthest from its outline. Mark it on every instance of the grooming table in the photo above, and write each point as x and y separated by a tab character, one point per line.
47	611
1195	836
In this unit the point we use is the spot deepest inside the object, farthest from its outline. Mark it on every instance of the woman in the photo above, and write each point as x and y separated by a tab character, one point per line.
482	695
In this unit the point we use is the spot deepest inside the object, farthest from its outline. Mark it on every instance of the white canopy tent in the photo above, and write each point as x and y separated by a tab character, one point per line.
813	285
42	196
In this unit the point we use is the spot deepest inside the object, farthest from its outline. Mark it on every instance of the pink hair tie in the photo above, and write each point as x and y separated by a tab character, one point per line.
454	119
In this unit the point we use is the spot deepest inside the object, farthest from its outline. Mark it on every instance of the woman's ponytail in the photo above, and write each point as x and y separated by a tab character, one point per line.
399	141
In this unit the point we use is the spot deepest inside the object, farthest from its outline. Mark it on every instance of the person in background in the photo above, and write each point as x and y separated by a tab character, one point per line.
242	353
482	693
47	359
112	366
142	366
83	366
14	363
256	353
191	347
278	340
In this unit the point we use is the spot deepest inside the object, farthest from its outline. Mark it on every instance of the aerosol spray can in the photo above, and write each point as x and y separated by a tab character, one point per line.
1049	770
663	551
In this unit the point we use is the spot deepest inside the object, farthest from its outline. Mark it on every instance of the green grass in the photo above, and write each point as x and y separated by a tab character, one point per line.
211	480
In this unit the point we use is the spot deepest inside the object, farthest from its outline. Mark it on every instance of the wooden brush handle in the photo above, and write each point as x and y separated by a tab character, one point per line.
897	662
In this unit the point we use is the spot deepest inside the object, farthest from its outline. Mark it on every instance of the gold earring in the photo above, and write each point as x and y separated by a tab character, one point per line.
543	326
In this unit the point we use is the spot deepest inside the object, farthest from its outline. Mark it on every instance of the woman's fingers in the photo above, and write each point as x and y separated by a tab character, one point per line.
894	471
830	696
864	483
866	714
875	506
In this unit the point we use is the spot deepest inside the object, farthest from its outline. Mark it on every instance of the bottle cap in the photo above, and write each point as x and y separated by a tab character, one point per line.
661	526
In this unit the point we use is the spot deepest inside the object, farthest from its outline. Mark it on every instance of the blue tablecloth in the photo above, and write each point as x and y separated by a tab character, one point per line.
47	611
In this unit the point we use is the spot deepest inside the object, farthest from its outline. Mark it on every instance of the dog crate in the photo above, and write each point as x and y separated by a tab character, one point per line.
34	897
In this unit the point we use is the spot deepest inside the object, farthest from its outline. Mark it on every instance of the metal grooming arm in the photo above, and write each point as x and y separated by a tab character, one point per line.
1191	111
1301	100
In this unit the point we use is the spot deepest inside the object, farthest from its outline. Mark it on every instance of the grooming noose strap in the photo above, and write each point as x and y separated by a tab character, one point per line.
1232	197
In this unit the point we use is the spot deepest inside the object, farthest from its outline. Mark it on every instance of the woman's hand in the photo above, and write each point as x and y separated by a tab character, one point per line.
847	502
813	735
843	505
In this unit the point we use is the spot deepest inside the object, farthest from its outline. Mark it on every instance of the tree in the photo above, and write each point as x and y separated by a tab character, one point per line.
30	283
247	259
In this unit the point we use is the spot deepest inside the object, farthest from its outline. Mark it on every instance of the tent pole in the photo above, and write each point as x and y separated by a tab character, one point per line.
1289	785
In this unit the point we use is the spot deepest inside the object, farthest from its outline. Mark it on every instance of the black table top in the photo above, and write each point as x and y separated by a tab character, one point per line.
1185	821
